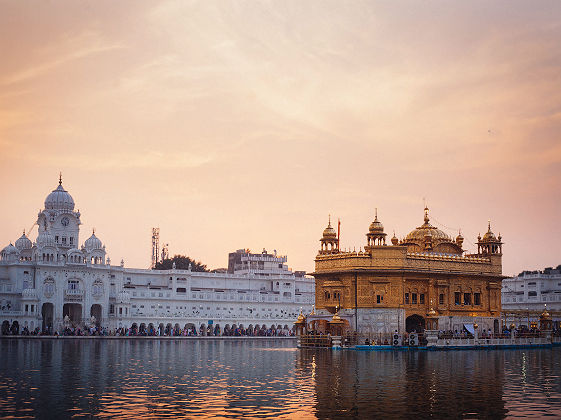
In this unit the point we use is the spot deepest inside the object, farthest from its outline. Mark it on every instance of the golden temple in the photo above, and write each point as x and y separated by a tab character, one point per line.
425	280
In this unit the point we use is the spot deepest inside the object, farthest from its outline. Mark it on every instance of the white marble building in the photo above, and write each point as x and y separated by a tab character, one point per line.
44	281
529	293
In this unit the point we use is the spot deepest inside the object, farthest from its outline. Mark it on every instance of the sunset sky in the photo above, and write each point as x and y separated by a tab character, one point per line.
244	124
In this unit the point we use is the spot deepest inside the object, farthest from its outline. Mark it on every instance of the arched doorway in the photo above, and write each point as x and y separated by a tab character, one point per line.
47	311
415	323
74	312
95	311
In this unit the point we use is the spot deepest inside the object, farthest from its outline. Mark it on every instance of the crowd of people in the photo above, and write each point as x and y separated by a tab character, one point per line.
160	331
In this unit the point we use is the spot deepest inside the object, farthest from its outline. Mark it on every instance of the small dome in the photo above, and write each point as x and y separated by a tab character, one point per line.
329	232
93	242
23	242
45	239
59	199
489	235
376	226
10	249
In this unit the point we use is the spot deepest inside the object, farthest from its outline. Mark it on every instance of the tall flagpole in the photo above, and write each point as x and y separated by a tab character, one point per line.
338	233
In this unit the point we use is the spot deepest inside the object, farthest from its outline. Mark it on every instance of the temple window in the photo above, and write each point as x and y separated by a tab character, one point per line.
379	299
407	298
477	299
467	298
414	298
441	299
422	298
457	298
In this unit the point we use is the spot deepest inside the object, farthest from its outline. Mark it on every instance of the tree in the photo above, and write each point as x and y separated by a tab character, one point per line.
182	262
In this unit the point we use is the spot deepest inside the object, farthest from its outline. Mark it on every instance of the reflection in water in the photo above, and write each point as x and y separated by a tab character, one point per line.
187	378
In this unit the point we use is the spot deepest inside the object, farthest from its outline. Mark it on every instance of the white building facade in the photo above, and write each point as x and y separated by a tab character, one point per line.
53	283
525	296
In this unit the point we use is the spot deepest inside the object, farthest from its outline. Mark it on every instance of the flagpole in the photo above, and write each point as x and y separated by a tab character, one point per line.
338	233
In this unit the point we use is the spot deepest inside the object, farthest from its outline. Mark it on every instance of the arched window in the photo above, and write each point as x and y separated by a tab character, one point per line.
49	287
97	288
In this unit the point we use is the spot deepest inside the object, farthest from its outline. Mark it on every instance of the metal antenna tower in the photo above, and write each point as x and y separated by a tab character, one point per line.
155	247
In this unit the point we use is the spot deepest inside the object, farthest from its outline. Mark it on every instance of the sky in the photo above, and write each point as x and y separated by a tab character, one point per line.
239	124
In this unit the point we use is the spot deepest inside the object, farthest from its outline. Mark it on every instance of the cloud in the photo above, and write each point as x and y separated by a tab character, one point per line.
41	68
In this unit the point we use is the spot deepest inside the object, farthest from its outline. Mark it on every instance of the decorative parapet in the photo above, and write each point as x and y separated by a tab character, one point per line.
29	294
448	257
398	259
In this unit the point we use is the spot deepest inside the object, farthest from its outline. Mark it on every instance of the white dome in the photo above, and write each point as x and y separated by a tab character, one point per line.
45	239
10	249
93	242
23	242
59	199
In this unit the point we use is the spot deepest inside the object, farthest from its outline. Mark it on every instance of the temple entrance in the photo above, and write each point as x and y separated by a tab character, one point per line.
414	323
95	311
47	311
74	312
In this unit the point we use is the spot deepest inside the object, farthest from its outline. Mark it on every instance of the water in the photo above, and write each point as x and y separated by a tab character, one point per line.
270	378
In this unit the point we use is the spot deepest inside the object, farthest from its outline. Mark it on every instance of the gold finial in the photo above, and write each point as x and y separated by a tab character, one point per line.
489	225
60	178
93	231
426	214
329	223
376	213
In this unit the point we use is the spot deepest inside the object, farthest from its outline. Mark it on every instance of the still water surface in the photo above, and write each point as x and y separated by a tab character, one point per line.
270	378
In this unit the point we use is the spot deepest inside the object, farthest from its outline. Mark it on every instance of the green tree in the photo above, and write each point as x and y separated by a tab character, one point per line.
182	262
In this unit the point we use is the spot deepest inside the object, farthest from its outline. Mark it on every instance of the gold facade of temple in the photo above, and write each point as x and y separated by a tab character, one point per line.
425	278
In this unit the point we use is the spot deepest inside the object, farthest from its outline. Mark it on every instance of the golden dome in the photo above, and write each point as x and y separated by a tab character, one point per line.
545	314
489	236
426	229
301	319
336	319
329	232
376	226
431	313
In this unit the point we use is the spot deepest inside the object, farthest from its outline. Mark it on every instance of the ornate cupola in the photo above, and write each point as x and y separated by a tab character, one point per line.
329	241
459	239
375	235
428	238
489	244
